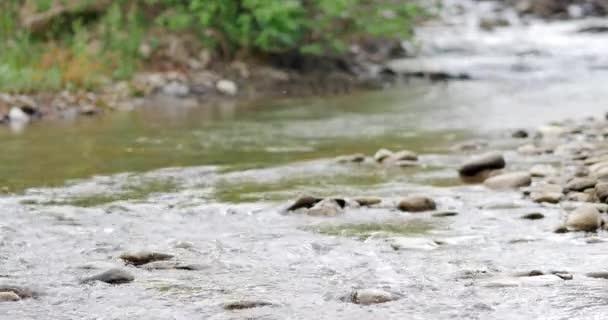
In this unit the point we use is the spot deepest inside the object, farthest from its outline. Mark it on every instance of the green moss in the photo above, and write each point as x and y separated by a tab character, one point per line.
286	188
136	191
363	231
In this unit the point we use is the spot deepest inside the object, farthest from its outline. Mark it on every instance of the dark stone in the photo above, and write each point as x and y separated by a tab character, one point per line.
143	257
533	216
112	276
306	202
520	134
490	161
445	214
241	305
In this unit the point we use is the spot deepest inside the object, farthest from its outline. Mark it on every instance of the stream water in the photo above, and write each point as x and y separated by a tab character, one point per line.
206	183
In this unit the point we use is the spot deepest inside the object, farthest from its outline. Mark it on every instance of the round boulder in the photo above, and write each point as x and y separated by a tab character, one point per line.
417	204
585	218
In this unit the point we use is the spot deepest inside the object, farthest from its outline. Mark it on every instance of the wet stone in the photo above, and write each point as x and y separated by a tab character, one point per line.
305	202
520	134
542	170
445	214
550	193
585	218
112	276
401	156
372	296
21	292
533	216
580	184
143	257
382	155
417	204
368	201
490	161
326	208
511	180
601	191
353	158
598	275
244	304
9	297
168	265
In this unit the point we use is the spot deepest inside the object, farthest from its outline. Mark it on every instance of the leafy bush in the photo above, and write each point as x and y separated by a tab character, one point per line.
311	26
77	49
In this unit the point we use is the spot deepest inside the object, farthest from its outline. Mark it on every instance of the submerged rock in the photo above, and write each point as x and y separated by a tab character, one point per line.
326	208
520	134
353	158
445	214
305	202
244	304
403	155
511	180
112	276
411	243
20	292
533	216
372	296
143	257
417	204
490	161
382	154
368	201
585	218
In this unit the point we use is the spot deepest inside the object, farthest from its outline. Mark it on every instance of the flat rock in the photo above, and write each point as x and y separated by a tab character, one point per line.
489	161
510	180
579	197
175	265
585	218
580	184
543	170
598	275
372	296
549	193
352	158
245	304
112	276
445	214
541	280
143	257
417	204
368	201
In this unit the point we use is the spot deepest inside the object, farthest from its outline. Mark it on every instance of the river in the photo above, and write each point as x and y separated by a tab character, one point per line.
206	183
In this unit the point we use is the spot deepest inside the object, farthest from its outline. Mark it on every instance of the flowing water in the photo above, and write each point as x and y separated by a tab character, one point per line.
207	183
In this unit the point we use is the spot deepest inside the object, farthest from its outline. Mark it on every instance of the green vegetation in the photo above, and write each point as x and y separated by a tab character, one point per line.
90	42
363	231
133	191
287	188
